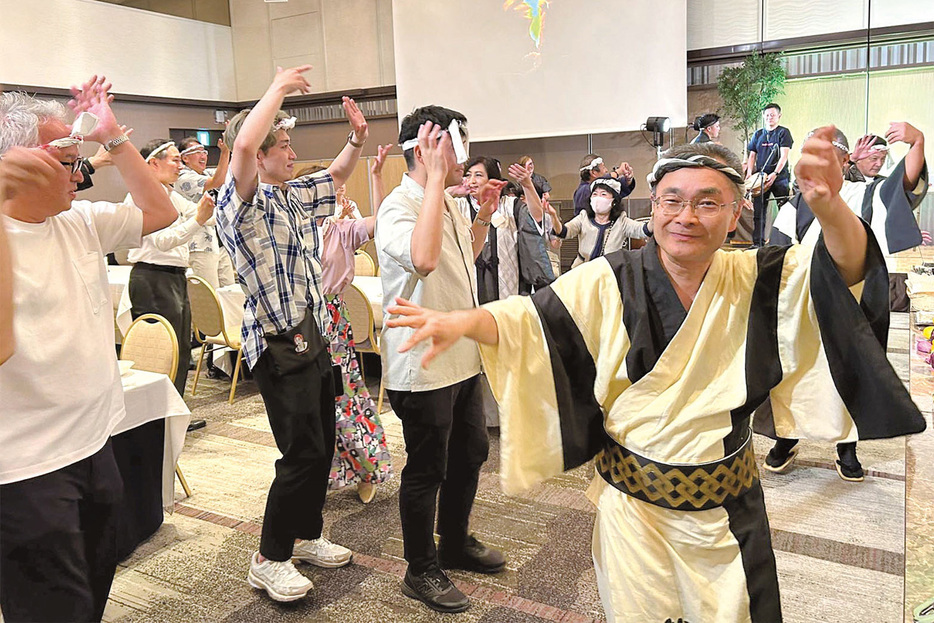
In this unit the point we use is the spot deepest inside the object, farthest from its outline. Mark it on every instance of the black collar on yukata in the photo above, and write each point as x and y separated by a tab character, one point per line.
662	293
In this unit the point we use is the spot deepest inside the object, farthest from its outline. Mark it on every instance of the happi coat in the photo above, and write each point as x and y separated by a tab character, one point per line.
606	361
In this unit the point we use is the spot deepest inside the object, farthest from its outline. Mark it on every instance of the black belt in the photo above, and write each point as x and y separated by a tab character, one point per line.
178	270
693	487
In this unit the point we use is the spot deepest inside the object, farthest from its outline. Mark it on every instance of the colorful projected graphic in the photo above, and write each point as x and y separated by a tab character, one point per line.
534	11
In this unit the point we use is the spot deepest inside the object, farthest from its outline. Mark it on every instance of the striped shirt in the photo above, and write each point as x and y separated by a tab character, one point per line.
272	240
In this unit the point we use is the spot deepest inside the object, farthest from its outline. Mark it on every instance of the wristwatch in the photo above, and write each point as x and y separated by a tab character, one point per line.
352	143
114	142
479	220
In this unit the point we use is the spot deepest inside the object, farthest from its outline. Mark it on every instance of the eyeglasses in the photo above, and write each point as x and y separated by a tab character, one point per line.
75	166
671	205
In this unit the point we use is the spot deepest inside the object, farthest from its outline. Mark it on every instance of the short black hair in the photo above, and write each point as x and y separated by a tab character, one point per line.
772	105
412	121
490	165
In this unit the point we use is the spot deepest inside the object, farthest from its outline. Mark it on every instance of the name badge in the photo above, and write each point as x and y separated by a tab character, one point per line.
497	220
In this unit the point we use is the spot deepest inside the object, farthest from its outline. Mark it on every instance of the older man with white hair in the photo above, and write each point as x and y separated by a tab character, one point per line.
61	387
653	360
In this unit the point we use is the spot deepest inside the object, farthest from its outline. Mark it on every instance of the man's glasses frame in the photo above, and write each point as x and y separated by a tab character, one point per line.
672	205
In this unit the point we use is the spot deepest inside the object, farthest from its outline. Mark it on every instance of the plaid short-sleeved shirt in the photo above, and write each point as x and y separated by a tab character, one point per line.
273	242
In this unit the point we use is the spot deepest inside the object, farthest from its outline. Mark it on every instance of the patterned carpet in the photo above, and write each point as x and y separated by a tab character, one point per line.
839	546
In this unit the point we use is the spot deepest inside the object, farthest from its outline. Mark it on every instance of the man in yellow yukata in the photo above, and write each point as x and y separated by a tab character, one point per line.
653	361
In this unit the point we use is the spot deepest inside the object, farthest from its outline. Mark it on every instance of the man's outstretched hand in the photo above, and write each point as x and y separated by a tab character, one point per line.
443	329
819	173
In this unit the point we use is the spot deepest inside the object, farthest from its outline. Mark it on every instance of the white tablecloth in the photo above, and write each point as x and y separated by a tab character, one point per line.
148	397
372	287
119	278
232	299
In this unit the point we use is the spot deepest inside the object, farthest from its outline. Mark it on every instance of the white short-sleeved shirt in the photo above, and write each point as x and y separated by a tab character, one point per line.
169	246
451	286
61	391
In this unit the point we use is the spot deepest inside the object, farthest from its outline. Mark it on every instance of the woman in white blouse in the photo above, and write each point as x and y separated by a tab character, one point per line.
603	226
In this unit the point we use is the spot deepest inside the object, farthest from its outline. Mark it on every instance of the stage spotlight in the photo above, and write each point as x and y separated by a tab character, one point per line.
659	125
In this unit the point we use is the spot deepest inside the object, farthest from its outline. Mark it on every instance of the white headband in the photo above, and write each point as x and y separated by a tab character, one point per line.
193	149
457	140
606	181
879	147
284	124
83	124
158	150
596	162
667	165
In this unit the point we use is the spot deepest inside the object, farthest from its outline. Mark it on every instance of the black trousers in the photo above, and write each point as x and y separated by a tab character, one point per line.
778	189
299	398
163	290
57	542
446	443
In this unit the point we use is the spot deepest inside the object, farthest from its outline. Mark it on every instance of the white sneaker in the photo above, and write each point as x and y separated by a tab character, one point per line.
280	580
322	553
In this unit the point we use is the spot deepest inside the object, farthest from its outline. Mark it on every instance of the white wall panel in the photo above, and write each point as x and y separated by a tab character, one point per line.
57	43
721	23
473	56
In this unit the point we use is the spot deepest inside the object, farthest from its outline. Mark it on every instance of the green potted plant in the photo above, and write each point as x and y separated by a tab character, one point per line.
747	88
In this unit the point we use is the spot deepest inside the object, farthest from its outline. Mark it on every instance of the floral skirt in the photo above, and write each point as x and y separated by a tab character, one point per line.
360	453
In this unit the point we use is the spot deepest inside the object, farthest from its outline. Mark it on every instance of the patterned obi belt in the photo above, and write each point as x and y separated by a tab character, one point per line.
685	487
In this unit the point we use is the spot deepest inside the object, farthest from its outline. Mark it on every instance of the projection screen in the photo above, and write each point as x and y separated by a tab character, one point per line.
533	68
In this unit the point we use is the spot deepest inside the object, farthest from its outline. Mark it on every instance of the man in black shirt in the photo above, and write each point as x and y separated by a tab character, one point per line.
768	153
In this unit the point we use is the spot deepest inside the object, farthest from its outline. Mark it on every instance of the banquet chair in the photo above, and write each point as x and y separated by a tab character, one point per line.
364	265
366	337
207	317
150	343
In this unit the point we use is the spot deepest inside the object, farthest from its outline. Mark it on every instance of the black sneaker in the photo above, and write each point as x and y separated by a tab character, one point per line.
216	373
196	424
848	466
781	456
435	590
473	556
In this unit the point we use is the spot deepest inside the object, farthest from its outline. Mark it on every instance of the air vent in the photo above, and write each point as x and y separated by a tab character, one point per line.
326	113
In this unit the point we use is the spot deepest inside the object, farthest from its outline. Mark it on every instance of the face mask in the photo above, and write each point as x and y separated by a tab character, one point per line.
601	205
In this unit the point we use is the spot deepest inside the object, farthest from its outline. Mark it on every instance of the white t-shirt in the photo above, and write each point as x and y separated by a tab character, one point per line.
61	390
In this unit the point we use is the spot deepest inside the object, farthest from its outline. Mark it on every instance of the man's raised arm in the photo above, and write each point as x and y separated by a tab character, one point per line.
820	178
343	165
257	124
148	194
904	132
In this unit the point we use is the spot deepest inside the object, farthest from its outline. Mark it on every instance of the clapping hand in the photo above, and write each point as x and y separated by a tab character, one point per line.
862	148
94	97
818	171
381	152
902	132
488	194
520	174
356	119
